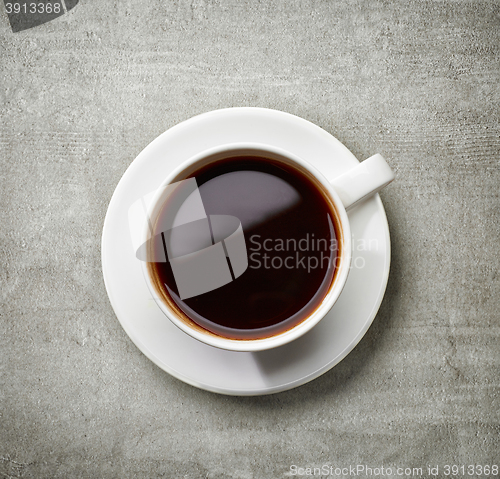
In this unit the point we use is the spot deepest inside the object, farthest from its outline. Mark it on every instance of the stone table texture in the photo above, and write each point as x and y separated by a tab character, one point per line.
82	95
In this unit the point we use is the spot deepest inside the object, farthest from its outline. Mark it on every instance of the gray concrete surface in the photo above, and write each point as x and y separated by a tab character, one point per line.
82	95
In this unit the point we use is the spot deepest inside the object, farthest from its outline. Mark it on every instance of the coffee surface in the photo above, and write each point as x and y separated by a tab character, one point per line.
291	242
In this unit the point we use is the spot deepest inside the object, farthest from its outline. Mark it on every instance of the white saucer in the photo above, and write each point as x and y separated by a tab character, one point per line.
240	373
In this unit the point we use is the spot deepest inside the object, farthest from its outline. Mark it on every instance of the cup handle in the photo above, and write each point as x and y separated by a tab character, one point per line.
362	181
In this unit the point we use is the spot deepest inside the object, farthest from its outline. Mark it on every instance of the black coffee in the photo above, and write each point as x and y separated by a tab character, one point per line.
290	230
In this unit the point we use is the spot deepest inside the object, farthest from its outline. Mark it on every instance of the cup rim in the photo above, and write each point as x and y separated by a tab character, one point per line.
250	345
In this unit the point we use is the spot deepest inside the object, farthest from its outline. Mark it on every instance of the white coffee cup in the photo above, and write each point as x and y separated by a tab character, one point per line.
362	181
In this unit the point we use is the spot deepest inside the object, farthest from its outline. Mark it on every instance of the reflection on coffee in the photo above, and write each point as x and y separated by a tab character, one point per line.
290	231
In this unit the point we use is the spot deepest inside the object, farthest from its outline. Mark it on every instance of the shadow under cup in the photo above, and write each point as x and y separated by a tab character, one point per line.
244	245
